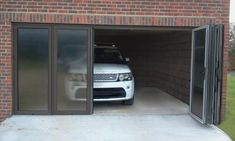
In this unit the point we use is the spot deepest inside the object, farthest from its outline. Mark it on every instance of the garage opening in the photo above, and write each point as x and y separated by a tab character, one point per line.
160	61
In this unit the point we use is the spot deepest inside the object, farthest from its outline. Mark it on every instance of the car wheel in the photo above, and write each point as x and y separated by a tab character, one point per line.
129	102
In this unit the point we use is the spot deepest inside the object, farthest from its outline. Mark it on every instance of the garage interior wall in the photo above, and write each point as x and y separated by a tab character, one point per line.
157	58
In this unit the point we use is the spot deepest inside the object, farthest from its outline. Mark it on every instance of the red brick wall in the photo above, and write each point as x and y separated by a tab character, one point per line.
105	12
168	63
5	70
161	60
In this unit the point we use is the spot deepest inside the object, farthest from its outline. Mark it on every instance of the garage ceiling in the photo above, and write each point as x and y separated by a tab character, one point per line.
127	32
134	32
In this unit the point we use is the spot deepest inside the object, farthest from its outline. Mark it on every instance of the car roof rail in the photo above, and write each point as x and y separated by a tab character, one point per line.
106	45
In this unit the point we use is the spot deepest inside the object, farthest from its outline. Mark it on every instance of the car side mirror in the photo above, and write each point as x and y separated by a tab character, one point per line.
127	60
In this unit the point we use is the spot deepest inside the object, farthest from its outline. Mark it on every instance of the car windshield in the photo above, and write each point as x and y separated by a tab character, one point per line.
107	55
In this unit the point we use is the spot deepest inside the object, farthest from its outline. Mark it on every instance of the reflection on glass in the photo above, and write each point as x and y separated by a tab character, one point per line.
32	69
198	73
71	69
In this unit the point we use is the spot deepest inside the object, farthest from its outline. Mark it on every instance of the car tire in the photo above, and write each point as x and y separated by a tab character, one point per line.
129	102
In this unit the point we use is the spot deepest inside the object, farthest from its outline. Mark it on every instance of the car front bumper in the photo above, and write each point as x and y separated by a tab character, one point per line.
103	91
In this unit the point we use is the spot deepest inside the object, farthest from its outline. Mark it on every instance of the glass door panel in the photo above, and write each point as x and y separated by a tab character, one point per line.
72	75
53	69
33	69
198	81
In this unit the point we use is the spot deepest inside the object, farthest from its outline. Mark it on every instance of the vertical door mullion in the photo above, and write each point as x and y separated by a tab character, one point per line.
54	56
53	70
220	72
50	71
15	70
205	94
90	71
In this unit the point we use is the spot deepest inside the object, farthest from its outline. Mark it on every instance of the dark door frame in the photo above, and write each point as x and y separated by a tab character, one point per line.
51	68
15	68
89	98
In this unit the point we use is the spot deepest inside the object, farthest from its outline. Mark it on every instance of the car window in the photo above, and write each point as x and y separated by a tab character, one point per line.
107	55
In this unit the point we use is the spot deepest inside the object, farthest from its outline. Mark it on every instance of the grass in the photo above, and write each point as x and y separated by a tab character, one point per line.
228	125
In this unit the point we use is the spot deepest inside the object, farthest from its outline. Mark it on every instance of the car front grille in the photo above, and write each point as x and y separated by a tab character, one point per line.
105	77
100	93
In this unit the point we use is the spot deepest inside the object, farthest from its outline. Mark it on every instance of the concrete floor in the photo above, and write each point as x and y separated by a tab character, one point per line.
148	101
108	128
154	116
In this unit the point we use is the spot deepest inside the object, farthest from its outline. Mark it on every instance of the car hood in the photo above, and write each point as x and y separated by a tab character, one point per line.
99	68
111	68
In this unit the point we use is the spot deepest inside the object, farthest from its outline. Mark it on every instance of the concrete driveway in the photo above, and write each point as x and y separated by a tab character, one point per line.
108	128
154	116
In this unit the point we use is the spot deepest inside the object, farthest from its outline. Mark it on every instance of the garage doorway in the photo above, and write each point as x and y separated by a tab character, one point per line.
47	59
165	66
160	63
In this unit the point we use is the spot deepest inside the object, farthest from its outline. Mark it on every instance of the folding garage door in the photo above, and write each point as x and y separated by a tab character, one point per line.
206	73
52	64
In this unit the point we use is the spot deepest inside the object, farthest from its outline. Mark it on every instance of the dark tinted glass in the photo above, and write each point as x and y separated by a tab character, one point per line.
71	69
107	55
198	73
32	69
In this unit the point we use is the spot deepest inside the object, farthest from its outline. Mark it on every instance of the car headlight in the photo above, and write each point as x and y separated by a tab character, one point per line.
77	77
124	76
